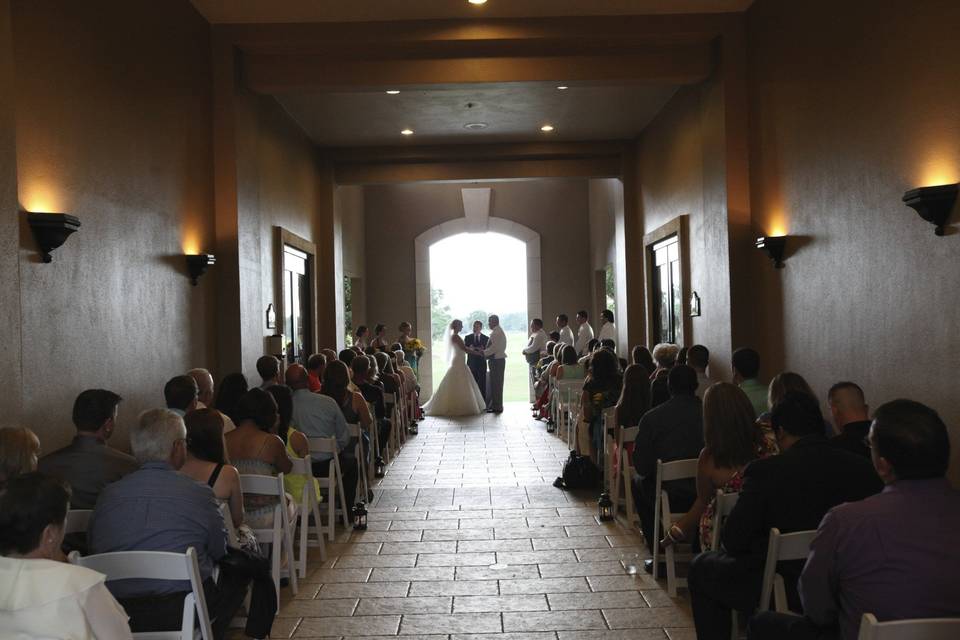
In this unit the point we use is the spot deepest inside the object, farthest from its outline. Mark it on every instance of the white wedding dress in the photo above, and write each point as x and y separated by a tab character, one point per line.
458	393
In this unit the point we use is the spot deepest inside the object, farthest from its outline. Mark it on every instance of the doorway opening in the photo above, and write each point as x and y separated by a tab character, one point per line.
473	275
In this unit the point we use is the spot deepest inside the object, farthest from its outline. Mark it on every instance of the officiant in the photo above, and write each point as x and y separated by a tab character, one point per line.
478	364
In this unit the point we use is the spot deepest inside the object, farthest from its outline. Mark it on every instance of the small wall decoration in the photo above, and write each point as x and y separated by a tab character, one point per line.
271	317
694	305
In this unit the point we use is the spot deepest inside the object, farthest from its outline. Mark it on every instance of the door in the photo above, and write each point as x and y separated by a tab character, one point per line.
667	291
296	304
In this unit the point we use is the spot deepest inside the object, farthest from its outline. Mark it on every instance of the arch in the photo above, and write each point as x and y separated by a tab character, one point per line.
422	244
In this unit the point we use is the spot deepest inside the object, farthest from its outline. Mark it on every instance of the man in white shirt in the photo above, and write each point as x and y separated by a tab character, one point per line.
608	330
566	333
496	353
536	346
584	333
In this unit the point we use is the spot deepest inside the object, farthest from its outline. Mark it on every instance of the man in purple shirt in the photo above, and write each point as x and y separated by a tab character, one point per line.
893	554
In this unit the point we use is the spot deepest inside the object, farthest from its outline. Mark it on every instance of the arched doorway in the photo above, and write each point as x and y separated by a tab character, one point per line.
451	228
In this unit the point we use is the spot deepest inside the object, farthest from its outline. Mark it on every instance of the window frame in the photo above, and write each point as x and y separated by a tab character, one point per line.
676	227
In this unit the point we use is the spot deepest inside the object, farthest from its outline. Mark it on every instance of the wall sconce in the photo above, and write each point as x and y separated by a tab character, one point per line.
197	265
934	204
51	230
774	246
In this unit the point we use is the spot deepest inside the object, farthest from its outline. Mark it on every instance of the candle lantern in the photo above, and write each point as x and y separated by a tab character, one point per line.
380	467
360	516
605	507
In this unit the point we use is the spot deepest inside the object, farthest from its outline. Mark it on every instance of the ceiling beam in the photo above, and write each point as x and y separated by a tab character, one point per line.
355	174
669	65
476	152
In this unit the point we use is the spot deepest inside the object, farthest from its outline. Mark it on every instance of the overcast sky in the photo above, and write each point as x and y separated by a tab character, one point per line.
485	271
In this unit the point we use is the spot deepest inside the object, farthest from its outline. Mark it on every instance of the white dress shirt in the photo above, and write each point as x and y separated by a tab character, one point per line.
537	342
48	599
566	336
497	347
584	336
608	332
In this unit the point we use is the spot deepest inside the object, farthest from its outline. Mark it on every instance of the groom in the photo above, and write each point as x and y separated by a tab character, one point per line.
496	353
477	363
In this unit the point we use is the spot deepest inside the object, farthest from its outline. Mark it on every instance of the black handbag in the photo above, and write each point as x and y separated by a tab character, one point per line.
579	472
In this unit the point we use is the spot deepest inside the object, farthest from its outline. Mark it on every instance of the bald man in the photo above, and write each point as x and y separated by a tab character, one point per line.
205	395
851	417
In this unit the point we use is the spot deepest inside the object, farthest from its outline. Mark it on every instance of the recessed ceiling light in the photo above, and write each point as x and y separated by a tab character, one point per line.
407	132
562	87
392	92
547	128
475	126
477	1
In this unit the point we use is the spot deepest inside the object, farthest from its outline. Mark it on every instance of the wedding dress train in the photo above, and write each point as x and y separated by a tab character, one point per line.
458	393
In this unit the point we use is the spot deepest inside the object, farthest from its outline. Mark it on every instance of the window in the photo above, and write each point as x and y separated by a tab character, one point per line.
296	304
667	275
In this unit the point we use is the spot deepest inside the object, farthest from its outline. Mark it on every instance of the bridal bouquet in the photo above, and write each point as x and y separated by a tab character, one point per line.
415	347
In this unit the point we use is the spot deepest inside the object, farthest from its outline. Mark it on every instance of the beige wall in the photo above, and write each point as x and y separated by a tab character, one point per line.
9	231
847	114
113	109
350	232
557	209
677	162
607	247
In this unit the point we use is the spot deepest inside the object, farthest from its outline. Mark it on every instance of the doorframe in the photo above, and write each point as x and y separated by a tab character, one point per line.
676	227
283	237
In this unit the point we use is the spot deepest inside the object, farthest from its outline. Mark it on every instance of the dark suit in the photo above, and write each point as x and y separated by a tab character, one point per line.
478	364
88	465
851	438
792	492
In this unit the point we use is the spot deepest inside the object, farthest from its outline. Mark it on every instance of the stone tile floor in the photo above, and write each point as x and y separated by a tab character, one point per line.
469	540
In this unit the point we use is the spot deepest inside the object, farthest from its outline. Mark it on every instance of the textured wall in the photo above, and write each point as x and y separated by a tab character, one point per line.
113	125
396	214
677	159
607	245
350	237
847	113
9	232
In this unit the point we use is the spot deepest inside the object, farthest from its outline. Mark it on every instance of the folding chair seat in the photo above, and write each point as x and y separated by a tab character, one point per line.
918	629
309	505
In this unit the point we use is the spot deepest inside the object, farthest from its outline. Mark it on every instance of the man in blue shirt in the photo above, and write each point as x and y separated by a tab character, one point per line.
158	509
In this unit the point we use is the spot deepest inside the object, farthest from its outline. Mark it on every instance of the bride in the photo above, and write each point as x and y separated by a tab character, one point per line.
458	393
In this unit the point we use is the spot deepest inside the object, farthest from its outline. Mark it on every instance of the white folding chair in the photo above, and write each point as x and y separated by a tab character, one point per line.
608	422
917	629
333	483
309	506
280	535
568	390
723	505
663	519
363	486
232	538
393	444
622	490
782	547
159	565
77	521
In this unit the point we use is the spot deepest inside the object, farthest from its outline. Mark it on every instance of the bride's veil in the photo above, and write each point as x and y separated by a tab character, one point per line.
450	352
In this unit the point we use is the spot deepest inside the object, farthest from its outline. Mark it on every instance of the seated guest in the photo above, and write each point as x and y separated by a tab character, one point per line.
893	554
633	403
181	394
409	375
88	464
158	509
851	417
782	384
232	388
41	596
601	389
592	347
206	460
731	441
746	369
330	354
389	378
570	368
672	431
698	357
318	415
315	366
269	369
296	442
205	395
373	394
792	492
255	449
641	355
19	450
665	357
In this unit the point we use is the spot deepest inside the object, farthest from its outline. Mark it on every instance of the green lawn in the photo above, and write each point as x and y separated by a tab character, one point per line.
515	387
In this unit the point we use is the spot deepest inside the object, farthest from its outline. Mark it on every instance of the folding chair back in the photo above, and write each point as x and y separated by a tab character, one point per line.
568	392
722	506
77	521
356	431
918	629
280	535
663	518
309	506
333	482
782	547
158	565
608	423
626	475
232	538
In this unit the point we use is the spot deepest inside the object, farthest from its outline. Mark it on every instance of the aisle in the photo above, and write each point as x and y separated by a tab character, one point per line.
469	539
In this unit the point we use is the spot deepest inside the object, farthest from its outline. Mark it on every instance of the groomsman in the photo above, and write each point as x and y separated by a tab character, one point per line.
584	333
566	333
478	363
536	346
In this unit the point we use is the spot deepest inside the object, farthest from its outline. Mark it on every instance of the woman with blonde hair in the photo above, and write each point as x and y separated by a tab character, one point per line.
731	441
19	452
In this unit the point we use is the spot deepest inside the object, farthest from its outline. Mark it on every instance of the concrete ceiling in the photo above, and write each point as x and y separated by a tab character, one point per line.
513	112
276	11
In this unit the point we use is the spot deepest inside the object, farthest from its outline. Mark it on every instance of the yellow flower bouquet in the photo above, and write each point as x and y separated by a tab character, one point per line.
415	347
